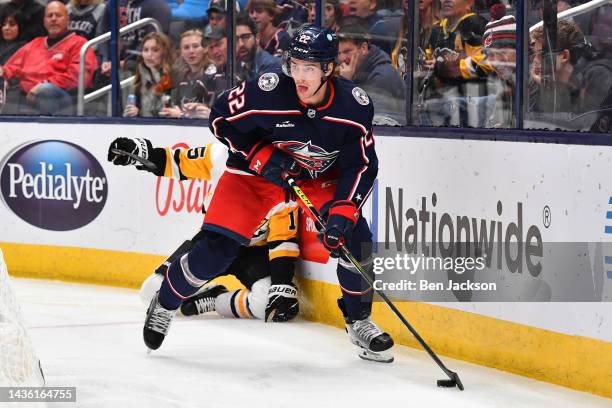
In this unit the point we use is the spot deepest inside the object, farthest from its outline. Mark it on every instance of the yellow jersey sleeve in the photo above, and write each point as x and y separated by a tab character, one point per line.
195	163
476	64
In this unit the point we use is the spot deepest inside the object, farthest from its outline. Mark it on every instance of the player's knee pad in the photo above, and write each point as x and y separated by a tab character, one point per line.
149	287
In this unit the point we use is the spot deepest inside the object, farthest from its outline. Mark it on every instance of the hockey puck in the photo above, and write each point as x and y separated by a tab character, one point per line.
446	383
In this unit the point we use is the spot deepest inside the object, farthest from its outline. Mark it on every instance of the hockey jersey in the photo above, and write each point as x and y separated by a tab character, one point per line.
278	230
333	140
464	38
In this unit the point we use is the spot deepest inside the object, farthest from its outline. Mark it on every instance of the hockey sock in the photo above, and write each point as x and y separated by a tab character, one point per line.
234	304
356	292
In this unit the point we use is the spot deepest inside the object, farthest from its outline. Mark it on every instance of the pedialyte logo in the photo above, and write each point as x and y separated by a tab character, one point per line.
53	184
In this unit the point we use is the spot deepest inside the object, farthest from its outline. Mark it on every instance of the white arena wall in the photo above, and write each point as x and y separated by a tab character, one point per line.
113	225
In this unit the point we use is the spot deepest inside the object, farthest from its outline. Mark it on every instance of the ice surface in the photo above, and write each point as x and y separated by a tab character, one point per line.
91	337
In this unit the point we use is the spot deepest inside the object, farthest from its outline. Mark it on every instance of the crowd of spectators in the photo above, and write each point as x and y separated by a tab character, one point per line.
464	71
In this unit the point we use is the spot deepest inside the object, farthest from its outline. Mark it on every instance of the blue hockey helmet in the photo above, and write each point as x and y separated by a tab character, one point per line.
312	43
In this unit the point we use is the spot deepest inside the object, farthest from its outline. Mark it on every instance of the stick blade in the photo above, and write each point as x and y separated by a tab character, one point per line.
454	381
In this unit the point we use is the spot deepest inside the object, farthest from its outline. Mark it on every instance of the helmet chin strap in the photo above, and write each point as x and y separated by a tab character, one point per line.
323	81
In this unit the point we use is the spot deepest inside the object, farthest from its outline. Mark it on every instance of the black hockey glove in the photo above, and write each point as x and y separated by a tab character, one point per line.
341	220
273	164
141	148
282	303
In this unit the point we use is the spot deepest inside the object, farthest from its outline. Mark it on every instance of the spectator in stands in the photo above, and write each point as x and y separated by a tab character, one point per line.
216	16
217	51
271	38
47	68
365	9
31	12
85	17
454	59
153	83
370	68
429	15
579	85
332	14
193	73
11	38
460	32
131	11
500	48
251	60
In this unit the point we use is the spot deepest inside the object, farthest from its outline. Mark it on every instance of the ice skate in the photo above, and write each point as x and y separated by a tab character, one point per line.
365	334
373	342
157	323
202	302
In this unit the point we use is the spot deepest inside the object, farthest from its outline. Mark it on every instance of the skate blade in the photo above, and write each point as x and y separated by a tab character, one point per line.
379	357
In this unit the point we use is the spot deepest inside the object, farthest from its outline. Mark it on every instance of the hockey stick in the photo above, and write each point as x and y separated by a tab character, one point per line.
453	380
145	162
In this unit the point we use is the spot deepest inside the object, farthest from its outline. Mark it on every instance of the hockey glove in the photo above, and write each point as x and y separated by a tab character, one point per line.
341	220
273	164
141	148
282	303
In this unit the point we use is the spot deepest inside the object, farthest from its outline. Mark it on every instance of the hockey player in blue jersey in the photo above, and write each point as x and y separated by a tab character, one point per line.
315	126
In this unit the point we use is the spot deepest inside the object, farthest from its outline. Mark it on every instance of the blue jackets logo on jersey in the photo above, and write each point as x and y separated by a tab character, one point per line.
311	157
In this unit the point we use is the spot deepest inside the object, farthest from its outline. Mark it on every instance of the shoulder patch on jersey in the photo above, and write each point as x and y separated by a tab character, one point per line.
360	96
268	81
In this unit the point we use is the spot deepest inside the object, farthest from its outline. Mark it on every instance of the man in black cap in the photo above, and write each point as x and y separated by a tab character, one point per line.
217	51
216	16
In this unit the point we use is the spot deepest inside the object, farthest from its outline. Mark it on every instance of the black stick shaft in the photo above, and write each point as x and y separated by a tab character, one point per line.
321	225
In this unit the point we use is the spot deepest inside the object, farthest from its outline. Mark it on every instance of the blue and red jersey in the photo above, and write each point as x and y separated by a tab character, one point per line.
331	141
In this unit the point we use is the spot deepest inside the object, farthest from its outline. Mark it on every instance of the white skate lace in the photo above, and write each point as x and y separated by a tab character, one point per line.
366	330
205	304
160	319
